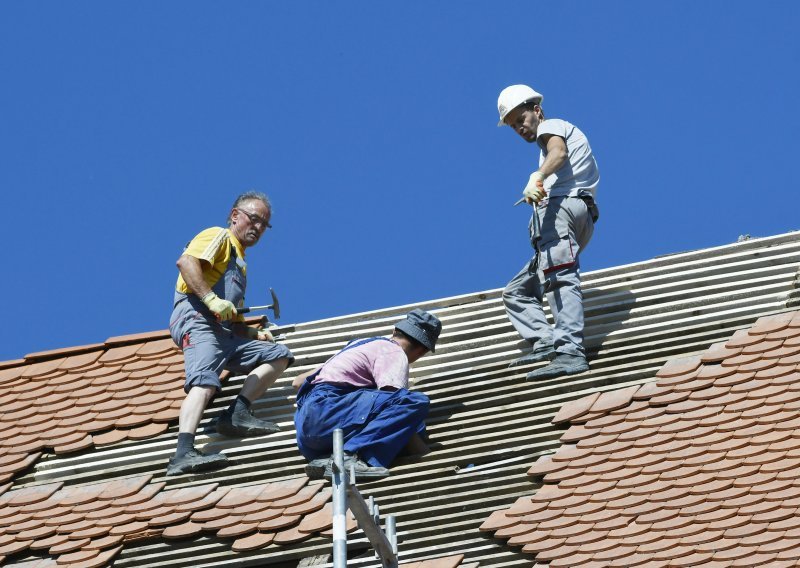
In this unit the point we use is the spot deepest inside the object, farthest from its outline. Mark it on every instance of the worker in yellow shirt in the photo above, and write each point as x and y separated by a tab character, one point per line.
213	336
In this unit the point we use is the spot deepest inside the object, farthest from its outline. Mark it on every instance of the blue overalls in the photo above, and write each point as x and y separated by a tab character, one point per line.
208	345
376	424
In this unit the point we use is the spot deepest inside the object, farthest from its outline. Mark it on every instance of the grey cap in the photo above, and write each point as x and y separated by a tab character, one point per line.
422	326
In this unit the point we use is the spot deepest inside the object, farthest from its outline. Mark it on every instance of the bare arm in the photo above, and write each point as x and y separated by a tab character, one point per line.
191	270
556	154
301	378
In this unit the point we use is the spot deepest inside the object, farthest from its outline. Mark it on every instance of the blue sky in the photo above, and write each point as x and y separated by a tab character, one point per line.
127	127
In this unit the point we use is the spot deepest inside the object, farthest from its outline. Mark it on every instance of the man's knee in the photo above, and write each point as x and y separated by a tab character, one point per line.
282	363
202	394
206	380
253	354
420	398
418	402
511	293
276	365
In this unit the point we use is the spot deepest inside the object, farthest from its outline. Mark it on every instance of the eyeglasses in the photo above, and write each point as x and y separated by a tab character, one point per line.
257	221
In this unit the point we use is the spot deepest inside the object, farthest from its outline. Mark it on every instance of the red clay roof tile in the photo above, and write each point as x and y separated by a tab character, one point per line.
575	409
290	535
68	546
253	542
771	324
718	351
279	522
693	484
680	366
102	559
613	400
169	518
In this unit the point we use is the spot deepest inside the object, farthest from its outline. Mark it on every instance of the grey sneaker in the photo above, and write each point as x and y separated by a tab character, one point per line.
315	469
544	354
563	364
244	424
363	470
194	461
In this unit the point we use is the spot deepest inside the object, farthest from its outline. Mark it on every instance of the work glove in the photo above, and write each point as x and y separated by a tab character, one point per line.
534	191
260	334
223	309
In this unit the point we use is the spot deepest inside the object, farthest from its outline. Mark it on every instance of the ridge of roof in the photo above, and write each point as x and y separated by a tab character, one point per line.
694	468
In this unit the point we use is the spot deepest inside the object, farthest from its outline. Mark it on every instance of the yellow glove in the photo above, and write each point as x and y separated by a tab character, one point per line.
534	191
223	309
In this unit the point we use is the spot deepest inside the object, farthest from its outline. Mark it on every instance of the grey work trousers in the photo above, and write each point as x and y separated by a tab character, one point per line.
566	229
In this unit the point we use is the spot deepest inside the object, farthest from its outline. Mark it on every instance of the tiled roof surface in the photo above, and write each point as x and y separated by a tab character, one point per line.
699	468
487	425
442	562
68	400
72	400
87	526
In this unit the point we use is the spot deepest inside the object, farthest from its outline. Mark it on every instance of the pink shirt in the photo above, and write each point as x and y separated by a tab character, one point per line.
378	364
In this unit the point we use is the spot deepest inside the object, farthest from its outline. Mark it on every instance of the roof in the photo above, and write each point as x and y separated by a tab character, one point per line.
698	468
486	424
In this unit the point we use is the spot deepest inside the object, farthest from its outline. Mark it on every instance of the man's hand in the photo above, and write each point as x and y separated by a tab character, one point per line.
534	191
223	309
264	335
259	334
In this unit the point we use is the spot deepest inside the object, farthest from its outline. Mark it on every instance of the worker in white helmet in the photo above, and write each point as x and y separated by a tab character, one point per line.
562	193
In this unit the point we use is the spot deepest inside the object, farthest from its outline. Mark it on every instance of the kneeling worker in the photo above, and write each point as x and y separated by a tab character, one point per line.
363	390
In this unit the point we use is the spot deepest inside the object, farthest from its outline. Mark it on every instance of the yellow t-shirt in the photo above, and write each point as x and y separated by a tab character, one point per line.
213	246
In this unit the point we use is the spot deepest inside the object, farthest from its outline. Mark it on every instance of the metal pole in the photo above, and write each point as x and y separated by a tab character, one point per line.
391	532
339	502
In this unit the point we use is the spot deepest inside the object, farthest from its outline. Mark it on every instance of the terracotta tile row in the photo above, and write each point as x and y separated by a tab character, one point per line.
68	400
454	561
87	398
87	525
699	468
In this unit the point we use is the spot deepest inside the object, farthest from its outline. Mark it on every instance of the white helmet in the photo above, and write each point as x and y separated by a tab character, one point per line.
513	96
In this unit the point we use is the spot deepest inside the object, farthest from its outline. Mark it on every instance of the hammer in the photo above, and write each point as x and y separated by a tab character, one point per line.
536	226
537	232
274	306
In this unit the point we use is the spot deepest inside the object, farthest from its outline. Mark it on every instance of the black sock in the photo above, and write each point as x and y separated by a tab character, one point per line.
240	404
185	443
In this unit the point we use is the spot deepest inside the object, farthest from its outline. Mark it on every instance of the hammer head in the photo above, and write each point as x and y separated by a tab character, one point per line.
276	306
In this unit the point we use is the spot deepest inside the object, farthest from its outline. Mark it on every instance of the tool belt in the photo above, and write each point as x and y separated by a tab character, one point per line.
592	206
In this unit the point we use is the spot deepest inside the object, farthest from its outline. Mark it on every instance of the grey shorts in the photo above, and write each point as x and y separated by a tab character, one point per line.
208	348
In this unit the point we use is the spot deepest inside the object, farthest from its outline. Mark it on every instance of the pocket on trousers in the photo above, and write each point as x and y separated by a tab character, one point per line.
557	254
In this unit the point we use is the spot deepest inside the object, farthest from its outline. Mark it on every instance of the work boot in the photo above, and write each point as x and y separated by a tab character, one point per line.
194	460
243	423
542	354
315	469
563	364
364	471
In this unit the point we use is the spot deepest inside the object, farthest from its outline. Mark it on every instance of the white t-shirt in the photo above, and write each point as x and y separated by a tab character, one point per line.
579	175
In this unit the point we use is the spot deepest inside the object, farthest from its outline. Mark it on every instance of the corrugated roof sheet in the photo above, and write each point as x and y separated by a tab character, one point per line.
487	425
